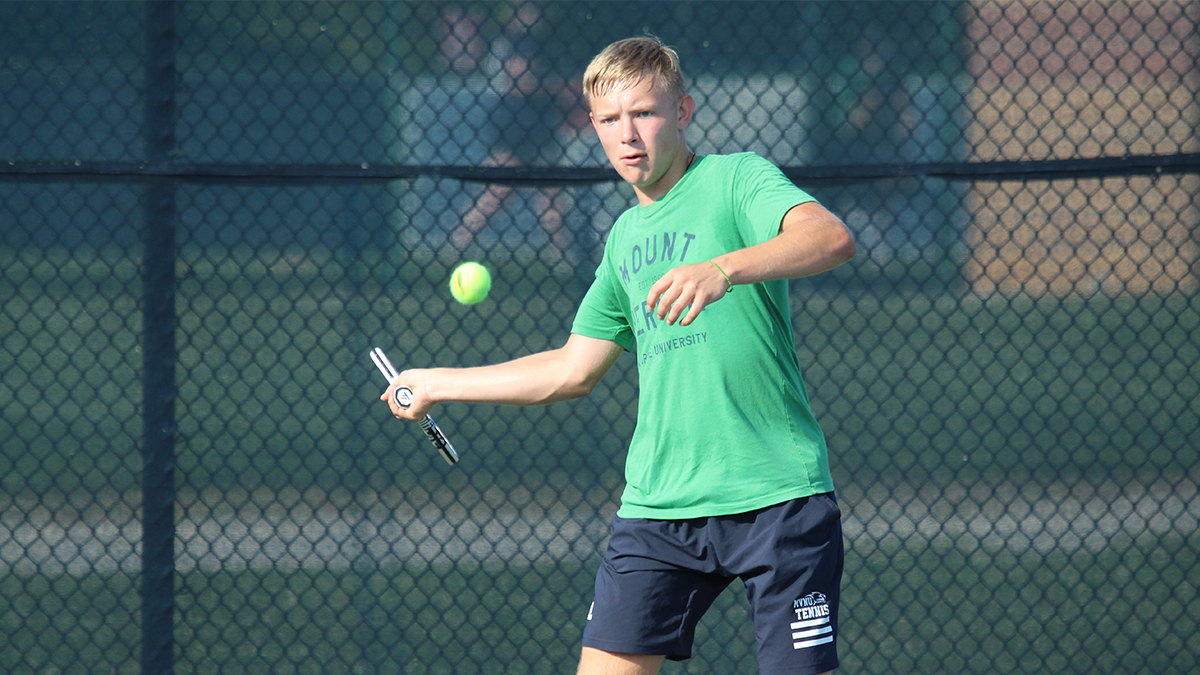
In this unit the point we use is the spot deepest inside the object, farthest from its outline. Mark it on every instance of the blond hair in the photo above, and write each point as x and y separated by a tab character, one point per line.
626	62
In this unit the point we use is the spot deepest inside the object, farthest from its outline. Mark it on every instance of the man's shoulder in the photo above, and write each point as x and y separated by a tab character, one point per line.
735	159
735	168
736	171
748	171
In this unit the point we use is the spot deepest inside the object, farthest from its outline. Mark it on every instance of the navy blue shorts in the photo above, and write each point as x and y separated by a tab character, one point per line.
660	576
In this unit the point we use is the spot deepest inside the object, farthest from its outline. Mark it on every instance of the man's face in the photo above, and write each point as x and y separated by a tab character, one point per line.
641	129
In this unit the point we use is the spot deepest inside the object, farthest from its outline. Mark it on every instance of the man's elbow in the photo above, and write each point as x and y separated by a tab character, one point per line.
844	248
571	382
565	392
839	245
579	384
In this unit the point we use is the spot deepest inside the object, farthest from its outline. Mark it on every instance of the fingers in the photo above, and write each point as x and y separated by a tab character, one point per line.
693	312
389	396
684	292
419	405
412	412
663	296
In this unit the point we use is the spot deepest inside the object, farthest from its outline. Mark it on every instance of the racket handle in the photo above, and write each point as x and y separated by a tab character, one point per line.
439	440
403	396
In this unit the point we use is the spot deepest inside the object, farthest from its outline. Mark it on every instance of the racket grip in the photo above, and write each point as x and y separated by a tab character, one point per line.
403	396
439	440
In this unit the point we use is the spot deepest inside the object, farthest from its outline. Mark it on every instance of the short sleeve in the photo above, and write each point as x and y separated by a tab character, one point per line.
602	314
764	195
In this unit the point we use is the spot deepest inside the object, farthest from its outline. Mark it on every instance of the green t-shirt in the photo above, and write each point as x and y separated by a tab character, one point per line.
724	424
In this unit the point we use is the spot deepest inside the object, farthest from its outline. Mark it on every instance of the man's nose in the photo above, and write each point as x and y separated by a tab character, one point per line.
628	132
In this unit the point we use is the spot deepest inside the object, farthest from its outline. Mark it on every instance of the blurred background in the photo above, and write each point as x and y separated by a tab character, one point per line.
211	211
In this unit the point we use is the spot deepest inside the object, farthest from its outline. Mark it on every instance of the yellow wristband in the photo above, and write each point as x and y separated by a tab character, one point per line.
727	281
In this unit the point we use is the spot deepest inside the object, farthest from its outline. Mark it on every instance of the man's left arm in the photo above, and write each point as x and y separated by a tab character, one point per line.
811	240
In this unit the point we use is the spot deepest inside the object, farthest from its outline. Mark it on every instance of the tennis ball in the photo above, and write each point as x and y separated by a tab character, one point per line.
470	283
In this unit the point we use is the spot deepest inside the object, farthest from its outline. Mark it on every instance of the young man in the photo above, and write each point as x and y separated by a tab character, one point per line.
727	474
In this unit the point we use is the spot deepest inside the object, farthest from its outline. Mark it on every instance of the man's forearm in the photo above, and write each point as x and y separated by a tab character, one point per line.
529	380
813	243
556	375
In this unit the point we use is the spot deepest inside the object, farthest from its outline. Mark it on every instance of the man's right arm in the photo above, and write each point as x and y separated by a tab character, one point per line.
556	375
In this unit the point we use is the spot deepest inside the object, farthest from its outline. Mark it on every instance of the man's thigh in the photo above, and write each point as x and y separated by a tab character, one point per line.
659	577
598	662
652	587
793	585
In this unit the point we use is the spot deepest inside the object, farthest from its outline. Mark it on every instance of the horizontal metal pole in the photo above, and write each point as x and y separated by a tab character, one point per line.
533	175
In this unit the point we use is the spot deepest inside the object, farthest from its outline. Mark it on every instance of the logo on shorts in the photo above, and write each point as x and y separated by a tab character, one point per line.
812	626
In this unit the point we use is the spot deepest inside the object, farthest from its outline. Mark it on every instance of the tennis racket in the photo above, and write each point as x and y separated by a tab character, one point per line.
403	398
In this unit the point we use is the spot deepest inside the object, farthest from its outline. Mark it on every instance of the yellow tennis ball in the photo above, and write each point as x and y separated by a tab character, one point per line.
470	283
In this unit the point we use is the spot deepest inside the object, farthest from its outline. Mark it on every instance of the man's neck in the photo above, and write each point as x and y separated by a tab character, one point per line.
663	185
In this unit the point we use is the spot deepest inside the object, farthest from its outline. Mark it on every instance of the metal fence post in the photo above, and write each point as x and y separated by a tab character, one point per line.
158	350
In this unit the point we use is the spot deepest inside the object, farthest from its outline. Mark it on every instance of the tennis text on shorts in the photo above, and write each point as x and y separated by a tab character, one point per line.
811	627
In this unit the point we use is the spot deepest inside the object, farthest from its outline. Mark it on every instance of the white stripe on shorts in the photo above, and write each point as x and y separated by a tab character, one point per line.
819	627
810	623
812	643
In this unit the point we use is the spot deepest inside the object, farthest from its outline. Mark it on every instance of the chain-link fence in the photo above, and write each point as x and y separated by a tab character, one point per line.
210	212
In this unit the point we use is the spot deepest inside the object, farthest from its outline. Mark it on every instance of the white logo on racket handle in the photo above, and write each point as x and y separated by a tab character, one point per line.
403	396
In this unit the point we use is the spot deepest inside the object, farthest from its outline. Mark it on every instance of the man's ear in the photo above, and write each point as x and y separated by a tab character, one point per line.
687	108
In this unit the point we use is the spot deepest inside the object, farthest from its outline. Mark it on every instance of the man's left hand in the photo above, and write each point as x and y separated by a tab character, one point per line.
688	287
